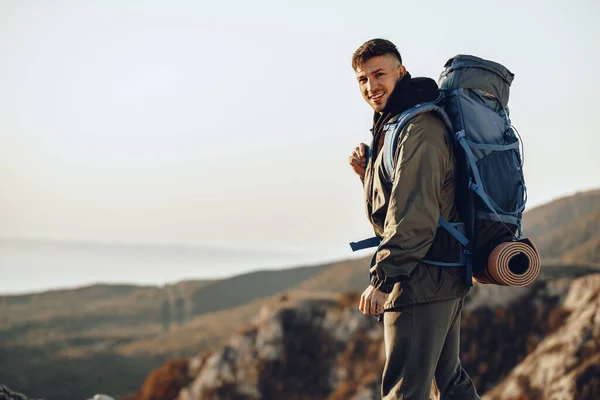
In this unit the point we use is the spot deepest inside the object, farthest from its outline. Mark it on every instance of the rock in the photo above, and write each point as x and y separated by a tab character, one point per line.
566	363
327	349
300	350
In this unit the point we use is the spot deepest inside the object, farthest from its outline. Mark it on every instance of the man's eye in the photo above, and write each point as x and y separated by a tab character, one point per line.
379	74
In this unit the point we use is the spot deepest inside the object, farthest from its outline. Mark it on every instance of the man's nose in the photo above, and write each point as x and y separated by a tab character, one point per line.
370	85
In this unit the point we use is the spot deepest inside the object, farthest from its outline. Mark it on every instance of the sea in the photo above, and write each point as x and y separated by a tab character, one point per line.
28	266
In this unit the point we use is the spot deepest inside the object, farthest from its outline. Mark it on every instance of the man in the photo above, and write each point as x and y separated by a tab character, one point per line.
421	303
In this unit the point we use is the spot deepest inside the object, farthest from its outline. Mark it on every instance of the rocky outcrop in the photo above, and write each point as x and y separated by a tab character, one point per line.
566	364
326	349
501	325
329	350
315	350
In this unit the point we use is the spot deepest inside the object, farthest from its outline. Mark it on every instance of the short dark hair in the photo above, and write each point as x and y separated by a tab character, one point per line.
374	48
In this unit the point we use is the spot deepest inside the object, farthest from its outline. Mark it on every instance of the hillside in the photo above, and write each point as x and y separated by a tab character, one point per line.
560	212
324	348
109	337
85	331
567	229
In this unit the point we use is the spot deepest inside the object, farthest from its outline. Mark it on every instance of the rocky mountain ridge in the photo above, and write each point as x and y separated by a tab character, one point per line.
326	349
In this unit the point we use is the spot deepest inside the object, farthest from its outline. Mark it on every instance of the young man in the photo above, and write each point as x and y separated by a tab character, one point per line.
421	303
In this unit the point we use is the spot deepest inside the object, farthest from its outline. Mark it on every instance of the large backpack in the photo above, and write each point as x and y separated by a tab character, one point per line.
490	191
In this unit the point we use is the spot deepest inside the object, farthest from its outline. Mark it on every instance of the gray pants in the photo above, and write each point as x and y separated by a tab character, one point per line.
422	342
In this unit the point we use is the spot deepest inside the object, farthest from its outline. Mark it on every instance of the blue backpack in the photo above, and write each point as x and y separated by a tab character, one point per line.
490	187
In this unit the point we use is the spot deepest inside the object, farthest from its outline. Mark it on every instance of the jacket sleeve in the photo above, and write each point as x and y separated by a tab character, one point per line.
414	205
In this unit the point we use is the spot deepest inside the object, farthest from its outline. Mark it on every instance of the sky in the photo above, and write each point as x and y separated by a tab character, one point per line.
230	123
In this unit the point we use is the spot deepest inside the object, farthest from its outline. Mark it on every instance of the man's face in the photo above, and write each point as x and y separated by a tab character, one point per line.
377	78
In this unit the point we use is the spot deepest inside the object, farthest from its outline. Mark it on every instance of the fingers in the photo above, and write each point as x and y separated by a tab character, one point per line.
365	300
361	305
370	304
370	307
374	307
358	156
362	149
372	301
366	305
357	167
356	162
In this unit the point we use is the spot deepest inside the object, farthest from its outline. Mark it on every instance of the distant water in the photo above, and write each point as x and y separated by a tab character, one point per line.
31	266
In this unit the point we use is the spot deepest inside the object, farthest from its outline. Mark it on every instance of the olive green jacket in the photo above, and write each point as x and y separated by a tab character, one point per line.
405	214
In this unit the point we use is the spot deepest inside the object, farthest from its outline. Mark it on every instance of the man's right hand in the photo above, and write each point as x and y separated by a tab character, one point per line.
358	160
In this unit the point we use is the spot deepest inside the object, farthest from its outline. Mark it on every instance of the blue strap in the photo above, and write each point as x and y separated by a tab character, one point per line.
460	136
494	147
365	243
443	222
443	264
492	204
458	235
373	262
391	137
508	219
469	268
487	200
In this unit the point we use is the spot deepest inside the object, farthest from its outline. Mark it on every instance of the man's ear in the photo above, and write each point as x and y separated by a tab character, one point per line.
401	70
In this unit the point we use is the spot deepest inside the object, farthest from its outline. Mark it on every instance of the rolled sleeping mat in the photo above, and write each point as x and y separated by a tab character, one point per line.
514	264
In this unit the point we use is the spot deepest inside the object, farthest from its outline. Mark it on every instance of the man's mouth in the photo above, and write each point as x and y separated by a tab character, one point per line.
376	97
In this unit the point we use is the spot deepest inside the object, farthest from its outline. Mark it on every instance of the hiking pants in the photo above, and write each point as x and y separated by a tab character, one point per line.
422	342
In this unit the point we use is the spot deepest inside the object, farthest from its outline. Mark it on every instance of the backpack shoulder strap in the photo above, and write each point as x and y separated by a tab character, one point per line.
393	132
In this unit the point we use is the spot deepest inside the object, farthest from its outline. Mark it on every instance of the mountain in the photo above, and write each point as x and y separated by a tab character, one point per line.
567	229
561	212
108	338
324	348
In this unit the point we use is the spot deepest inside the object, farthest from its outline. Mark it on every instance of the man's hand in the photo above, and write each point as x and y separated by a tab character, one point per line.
358	160
372	301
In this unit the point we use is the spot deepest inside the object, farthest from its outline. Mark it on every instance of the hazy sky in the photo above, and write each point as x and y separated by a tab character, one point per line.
230	123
